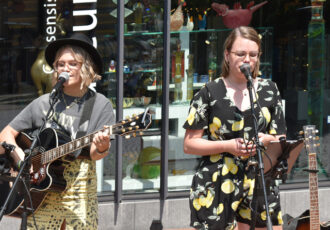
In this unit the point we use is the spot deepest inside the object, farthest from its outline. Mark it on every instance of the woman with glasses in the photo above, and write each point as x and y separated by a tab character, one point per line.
222	188
78	111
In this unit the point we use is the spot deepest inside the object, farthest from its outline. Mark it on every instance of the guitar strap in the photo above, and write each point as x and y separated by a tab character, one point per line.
86	114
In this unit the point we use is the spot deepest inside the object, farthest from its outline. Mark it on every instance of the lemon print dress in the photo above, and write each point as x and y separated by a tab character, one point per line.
222	189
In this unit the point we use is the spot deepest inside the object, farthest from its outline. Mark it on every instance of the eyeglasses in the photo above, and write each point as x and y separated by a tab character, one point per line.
73	65
242	54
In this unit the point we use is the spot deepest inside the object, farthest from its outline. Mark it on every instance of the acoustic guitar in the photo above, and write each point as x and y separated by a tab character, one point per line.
310	219
47	160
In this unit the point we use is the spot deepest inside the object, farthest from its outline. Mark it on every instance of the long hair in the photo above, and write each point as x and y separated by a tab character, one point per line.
87	70
244	32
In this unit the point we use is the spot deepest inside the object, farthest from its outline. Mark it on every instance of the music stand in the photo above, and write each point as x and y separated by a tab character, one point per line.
280	156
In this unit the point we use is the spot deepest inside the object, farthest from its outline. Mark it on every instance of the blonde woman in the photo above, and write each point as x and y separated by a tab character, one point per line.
76	206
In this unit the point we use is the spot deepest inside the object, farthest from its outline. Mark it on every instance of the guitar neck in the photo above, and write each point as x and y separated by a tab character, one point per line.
314	197
69	147
126	127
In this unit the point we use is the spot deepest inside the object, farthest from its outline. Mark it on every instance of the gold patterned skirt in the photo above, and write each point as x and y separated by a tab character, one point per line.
77	204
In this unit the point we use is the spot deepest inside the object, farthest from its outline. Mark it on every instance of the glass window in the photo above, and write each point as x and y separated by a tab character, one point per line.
295	55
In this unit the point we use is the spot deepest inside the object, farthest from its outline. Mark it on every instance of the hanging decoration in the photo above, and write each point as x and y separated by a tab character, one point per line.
176	20
236	17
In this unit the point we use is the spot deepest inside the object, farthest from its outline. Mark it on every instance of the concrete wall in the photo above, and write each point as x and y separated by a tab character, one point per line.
139	215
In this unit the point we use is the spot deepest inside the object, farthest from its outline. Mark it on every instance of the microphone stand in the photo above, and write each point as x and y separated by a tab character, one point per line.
259	164
25	168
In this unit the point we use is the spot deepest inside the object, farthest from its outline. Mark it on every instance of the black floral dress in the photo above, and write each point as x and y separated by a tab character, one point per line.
222	188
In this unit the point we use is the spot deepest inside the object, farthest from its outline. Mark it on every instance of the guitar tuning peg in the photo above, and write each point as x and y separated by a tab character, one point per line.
301	132
123	130
130	128
316	138
316	131
136	127
123	122
127	136
134	134
141	133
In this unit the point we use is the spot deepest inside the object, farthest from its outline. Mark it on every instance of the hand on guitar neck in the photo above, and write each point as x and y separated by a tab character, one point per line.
101	144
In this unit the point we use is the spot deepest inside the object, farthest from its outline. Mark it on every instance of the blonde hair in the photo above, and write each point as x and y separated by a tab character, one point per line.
244	32
87	70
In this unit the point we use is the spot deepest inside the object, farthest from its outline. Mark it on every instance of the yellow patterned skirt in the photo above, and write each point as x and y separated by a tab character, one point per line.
77	205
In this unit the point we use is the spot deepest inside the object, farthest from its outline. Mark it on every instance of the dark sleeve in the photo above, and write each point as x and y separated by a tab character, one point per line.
277	124
198	111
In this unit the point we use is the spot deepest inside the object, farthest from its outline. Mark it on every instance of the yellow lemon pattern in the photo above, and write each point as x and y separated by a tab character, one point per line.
191	116
238	125
215	126
228	186
215	176
203	201
229	166
220	209
196	204
215	157
234	205
248	184
245	213
266	114
263	215
221	184
272	131
279	217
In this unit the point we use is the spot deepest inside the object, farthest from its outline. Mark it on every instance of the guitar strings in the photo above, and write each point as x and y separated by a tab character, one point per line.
37	158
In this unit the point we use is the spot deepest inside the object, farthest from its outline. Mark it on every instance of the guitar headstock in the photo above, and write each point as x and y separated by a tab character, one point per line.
133	126
311	138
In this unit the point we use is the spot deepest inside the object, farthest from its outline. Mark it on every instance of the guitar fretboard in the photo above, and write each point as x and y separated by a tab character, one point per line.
69	147
125	127
314	197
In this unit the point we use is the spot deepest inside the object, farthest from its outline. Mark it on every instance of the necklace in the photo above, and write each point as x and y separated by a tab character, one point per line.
77	100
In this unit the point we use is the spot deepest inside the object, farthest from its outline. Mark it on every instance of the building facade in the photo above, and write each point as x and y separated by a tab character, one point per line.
157	54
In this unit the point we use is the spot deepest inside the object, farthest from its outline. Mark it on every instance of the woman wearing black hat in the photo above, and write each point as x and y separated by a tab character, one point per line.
76	115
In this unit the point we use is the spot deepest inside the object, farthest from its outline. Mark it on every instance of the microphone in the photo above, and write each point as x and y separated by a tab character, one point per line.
63	77
245	69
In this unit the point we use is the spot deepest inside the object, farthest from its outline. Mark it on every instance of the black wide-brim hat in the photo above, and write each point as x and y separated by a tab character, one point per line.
76	39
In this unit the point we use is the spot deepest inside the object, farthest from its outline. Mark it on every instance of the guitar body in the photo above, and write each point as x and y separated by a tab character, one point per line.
304	222
54	148
45	178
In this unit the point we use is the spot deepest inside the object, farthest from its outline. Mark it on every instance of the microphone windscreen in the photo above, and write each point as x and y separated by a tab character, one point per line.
64	75
246	70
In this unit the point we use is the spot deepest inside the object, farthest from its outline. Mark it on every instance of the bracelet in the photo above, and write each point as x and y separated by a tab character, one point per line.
101	153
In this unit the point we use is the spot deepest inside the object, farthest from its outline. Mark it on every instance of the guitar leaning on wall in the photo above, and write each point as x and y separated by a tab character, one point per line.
310	219
47	161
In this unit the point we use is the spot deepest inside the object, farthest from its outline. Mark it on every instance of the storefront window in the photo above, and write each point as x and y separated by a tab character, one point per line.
295	55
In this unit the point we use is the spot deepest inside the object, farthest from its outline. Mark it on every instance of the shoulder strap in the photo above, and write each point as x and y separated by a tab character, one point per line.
86	114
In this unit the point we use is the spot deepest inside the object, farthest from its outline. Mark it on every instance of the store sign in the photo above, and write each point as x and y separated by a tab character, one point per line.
51	14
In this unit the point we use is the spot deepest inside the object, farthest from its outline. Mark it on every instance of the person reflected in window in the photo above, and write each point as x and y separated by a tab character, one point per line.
75	207
222	188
